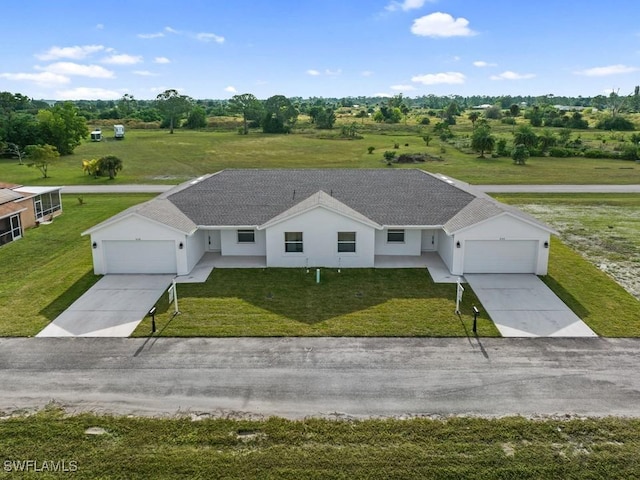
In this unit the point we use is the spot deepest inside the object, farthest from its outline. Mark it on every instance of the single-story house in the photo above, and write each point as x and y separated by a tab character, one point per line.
23	207
321	218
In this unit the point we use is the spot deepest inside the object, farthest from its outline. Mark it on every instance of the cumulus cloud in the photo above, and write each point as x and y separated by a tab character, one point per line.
161	60
382	94
608	70
313	73
231	89
209	37
402	88
483	64
43	79
122	59
509	75
77	52
439	78
88	93
76	69
144	73
440	24
406	5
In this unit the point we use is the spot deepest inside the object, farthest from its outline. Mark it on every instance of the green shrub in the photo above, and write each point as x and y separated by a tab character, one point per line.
560	152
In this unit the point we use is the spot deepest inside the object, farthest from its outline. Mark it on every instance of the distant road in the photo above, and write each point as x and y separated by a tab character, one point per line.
76	189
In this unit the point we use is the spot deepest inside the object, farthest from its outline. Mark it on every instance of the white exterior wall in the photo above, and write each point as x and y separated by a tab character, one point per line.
134	228
212	240
229	244
411	246
445	249
320	229
194	250
503	228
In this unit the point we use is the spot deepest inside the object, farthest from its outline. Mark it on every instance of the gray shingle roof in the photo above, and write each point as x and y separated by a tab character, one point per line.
387	197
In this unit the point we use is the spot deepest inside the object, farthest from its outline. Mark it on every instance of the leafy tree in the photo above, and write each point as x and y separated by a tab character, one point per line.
110	165
196	118
126	105
15	150
482	140
514	110
280	115
173	105
546	140
427	139
62	127
22	129
443	131
494	113
525	136
564	135
389	155
247	105
520	153
474	116
325	118
41	157
618	123
501	147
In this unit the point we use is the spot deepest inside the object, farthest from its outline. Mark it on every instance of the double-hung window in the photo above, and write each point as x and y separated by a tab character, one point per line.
346	242
293	242
395	235
246	236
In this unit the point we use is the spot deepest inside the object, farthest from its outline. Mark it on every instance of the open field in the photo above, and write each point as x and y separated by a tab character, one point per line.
155	156
289	302
605	229
471	448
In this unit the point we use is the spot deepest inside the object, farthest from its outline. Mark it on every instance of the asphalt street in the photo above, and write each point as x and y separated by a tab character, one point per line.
323	377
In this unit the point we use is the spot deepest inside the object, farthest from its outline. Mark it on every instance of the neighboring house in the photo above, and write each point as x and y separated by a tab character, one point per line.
329	217
25	207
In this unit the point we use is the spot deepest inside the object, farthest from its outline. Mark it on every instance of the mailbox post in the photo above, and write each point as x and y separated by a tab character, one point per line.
475	318
152	312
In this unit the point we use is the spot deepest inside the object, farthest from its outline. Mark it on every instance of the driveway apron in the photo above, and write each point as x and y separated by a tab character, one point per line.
521	305
113	307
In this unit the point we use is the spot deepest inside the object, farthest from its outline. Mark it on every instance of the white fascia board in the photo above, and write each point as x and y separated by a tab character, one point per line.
271	223
108	223
517	217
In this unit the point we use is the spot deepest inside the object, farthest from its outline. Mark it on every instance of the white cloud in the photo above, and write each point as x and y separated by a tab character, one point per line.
171	30
161	60
438	78
144	73
76	69
382	94
366	73
440	24
406	5
209	37
123	59
402	88
148	36
333	73
509	75
43	79
313	73
483	64
74	53
608	70
88	93
231	89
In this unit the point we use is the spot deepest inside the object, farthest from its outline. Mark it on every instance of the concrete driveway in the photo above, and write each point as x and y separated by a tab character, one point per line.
523	306
113	307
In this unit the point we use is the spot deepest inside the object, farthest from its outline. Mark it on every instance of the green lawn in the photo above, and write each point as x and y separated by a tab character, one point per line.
289	302
50	267
470	448
155	156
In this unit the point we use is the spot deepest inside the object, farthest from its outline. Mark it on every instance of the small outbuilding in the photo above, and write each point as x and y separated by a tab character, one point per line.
118	132
96	135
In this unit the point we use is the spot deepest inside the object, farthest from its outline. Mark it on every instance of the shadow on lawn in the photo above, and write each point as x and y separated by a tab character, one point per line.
294	294
70	295
566	297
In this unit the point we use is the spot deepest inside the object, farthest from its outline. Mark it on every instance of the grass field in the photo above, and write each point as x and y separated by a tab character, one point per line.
155	156
288	302
470	448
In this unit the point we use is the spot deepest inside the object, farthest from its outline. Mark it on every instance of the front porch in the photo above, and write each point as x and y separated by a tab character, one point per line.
429	260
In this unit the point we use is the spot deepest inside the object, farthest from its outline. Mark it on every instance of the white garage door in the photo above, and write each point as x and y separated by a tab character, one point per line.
500	256
143	256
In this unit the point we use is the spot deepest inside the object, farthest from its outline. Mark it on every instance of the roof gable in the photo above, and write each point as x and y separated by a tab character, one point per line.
320	199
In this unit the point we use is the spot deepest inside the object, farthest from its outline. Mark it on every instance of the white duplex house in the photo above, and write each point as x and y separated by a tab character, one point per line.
321	218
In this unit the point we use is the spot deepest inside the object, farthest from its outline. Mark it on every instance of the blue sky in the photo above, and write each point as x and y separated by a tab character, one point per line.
68	49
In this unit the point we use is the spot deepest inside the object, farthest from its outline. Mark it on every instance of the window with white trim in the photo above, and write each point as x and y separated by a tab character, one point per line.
10	229
246	236
395	235
293	242
346	242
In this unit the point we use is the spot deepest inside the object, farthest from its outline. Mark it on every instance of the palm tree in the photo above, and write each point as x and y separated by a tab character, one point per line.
110	164
474	116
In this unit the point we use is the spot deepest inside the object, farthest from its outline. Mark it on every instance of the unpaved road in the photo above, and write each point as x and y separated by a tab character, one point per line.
300	377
